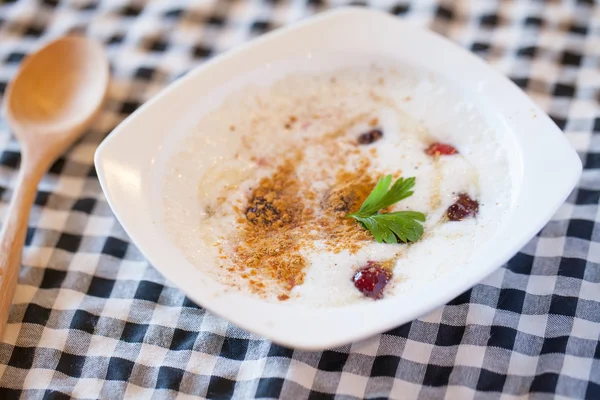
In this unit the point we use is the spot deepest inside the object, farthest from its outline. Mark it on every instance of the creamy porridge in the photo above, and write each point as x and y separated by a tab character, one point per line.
266	181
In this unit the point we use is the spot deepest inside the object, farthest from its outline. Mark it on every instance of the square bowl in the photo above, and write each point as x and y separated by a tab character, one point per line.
546	169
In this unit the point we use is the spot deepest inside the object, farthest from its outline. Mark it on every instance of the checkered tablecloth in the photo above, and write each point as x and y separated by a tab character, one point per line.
93	320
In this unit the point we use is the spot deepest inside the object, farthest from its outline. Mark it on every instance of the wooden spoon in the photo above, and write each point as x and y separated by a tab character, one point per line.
50	103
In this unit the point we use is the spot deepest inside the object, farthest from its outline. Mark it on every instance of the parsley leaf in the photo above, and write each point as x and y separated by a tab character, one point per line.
391	227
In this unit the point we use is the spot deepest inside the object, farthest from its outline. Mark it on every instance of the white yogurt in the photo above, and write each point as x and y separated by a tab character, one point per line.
214	167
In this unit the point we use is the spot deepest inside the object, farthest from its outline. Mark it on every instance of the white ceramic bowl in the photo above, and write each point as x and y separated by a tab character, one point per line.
546	168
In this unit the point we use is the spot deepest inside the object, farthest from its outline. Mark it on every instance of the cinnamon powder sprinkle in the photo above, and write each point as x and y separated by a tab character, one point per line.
285	216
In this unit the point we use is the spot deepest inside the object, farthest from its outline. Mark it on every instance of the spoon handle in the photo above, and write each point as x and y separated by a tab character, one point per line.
14	230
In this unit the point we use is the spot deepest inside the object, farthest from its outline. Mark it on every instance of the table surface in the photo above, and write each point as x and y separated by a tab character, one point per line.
92	319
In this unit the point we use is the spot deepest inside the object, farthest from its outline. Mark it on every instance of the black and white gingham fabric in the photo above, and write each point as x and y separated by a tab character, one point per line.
92	320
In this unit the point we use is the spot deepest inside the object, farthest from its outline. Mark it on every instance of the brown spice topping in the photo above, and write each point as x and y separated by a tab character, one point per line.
269	245
285	216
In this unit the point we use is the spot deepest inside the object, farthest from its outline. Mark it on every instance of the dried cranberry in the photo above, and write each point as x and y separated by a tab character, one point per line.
463	207
441	149
371	280
371	136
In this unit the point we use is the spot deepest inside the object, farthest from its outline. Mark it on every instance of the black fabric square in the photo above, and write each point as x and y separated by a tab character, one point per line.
578	29
85	205
562	90
534	21
35	314
592	160
84	321
134	333
269	387
10	394
545	383
158	45
572	267
401	331
189	303
279	351
399	9
22	357
174	13
15	58
169	378
260	26
436	375
585	196
29	236
89	6
50	3
580	228
131	11
55	395
119	369
314	395
529	51
444	13
215	20
202	51
148	291
41	197
449	335
34	31
115	39
2	87
69	242
502	336
332	361
100	287
570	58
129	106
560	122
316	3
53	278
70	364
555	345
183	340
490	381
478	46
521	82
10	159
57	166
511	300
115	247
385	366
234	348
464	298
490	20
592	391
220	388
145	73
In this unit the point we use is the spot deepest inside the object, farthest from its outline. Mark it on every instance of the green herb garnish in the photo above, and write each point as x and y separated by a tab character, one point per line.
391	227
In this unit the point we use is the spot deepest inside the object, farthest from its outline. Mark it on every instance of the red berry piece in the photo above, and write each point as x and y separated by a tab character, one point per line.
463	207
371	136
371	280
441	149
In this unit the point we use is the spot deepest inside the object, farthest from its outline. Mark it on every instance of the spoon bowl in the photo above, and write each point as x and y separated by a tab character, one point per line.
52	101
58	89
